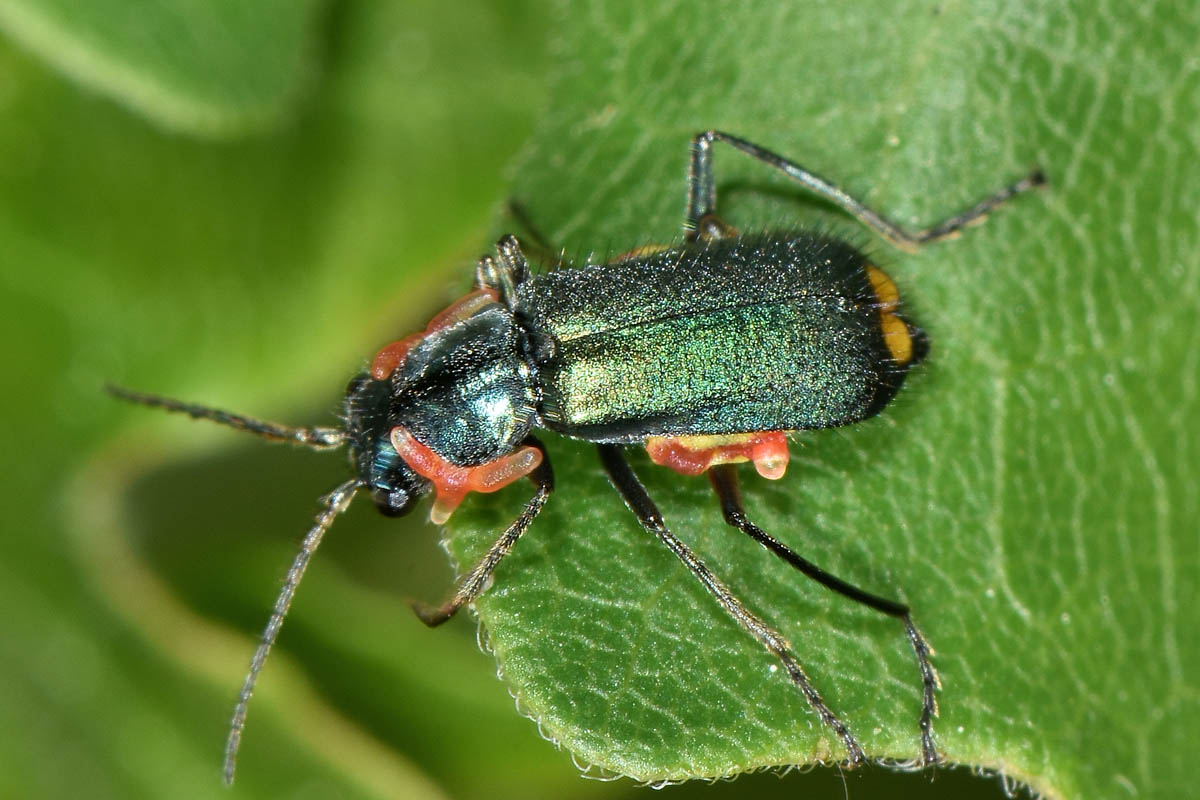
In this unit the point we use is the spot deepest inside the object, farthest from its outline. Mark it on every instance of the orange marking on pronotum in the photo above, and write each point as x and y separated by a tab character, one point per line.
392	355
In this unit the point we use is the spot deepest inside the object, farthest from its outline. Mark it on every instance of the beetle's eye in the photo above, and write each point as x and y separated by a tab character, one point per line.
393	503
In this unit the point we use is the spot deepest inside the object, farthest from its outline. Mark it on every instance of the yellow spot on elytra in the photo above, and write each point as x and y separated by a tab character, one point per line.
895	330
885	290
896	337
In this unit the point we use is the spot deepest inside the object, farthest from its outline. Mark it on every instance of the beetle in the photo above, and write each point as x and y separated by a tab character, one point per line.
706	352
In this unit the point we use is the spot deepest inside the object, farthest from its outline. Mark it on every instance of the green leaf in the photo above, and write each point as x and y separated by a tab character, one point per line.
1030	494
207	67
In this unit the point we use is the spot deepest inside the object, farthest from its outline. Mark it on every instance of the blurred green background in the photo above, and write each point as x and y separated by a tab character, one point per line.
238	203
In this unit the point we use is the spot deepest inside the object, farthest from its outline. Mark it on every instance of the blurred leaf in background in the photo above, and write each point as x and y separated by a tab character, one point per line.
215	68
256	272
237	203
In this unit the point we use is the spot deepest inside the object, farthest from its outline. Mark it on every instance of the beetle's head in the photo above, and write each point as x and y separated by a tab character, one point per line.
393	484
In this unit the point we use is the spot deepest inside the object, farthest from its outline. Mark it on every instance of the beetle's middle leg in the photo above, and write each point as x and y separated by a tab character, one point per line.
724	480
635	496
475	582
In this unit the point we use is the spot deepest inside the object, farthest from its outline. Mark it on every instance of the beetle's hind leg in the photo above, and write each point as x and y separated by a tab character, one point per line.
639	502
702	194
475	582
724	481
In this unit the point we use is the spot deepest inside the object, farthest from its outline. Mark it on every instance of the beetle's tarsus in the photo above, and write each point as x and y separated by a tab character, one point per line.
431	615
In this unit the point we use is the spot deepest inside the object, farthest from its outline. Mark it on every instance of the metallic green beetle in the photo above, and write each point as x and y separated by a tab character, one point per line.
707	353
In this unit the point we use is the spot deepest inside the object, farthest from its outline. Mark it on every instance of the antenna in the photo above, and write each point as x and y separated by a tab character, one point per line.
316	438
335	503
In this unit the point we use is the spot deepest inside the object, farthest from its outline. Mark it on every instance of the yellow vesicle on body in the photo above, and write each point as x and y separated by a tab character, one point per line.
885	289
895	330
896	337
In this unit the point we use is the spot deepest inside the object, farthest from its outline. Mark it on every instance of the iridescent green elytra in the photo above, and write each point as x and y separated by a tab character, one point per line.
755	333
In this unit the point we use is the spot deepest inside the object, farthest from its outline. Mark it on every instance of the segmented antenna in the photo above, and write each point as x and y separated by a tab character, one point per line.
316	438
335	503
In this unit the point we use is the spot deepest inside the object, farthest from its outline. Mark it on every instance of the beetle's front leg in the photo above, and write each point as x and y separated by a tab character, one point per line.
475	582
